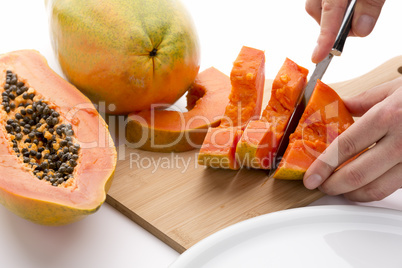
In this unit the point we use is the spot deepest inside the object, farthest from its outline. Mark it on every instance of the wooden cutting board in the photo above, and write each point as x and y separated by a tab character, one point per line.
181	203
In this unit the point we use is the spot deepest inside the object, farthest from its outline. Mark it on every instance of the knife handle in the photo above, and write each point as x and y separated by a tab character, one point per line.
344	30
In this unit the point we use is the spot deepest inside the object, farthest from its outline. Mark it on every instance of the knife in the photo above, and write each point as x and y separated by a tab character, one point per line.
318	73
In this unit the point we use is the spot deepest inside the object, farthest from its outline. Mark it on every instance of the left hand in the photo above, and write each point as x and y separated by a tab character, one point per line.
377	172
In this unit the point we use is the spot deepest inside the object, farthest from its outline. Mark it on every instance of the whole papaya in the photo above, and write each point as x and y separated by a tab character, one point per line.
127	53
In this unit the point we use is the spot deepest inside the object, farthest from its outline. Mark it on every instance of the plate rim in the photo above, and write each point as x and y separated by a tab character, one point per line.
272	217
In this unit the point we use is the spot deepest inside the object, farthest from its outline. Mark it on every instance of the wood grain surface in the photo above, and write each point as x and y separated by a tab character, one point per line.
181	202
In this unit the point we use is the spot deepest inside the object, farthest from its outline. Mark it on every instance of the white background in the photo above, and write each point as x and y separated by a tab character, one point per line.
280	28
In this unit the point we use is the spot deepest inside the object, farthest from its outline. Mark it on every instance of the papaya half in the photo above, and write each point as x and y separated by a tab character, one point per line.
175	131
57	156
324	118
245	100
127	54
261	137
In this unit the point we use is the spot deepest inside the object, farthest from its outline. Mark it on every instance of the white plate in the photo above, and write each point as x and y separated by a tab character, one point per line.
319	236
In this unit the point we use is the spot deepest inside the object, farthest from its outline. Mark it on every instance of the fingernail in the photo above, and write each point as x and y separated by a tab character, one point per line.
313	181
364	25
314	55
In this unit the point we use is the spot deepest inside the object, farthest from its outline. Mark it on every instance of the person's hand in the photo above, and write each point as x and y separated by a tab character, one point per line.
377	172
329	14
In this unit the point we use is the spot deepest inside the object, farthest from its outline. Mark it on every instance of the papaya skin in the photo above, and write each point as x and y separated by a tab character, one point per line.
174	131
128	54
37	200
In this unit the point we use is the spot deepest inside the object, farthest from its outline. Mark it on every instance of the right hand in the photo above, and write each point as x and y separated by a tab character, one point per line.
329	14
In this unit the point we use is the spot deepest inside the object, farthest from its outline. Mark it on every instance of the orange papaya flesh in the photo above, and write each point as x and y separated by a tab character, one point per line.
324	118
261	137
57	157
220	152
247	79
299	156
175	131
256	144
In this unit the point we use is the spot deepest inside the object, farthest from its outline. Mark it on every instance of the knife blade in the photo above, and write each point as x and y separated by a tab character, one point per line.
318	73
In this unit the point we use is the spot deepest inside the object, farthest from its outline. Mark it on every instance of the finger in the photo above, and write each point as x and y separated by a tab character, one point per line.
313	8
365	16
361	103
331	19
364	169
380	188
345	146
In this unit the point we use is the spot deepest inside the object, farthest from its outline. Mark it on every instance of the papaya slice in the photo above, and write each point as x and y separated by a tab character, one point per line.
324	118
175	131
57	157
247	79
261	137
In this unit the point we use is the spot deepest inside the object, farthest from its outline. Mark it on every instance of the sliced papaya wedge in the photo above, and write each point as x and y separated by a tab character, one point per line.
261	137
247	79
57	157
324	118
